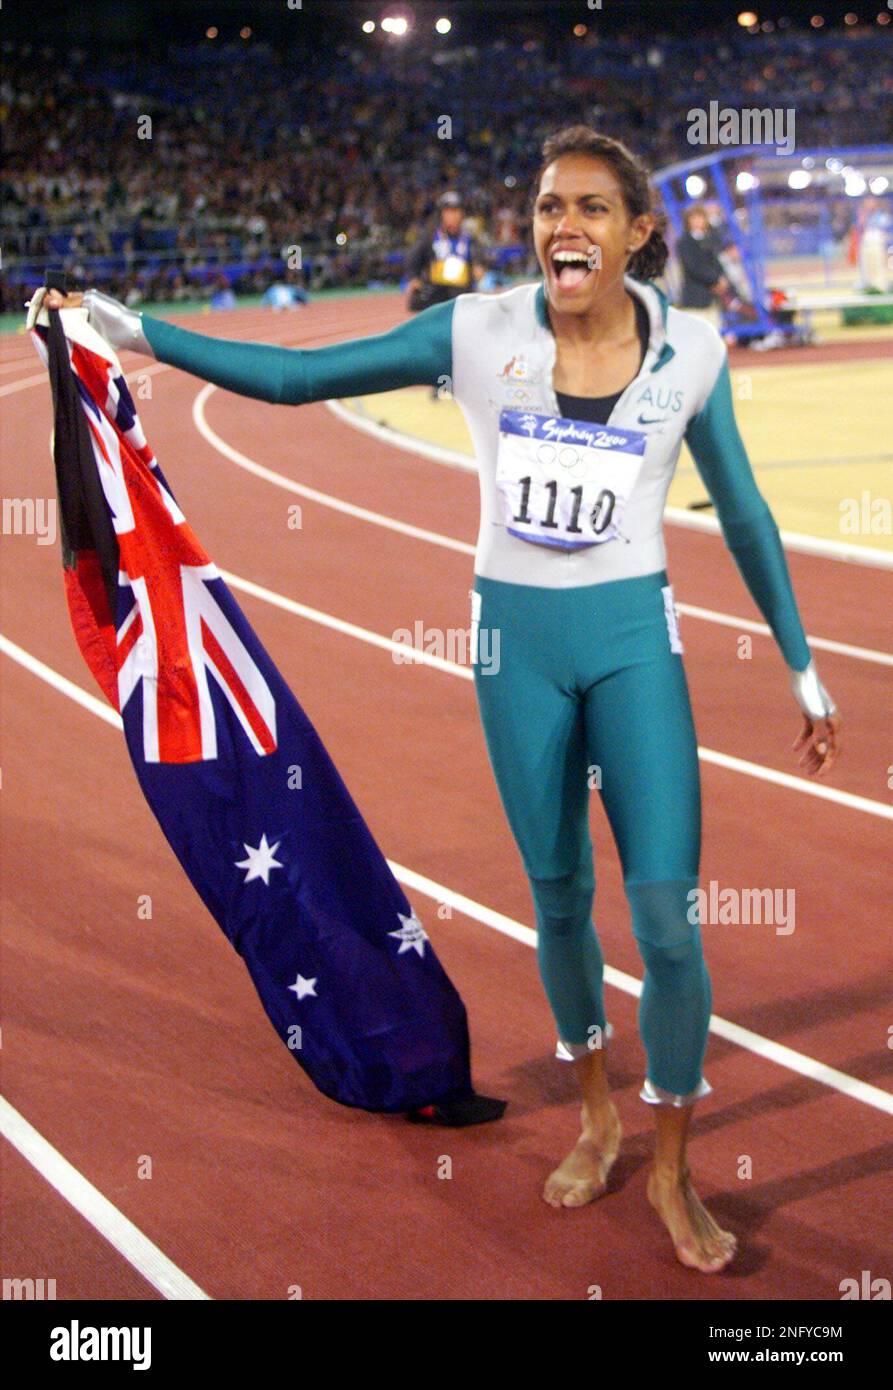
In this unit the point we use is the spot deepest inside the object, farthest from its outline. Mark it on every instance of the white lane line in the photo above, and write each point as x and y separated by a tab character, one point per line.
410	656
61	683
462	547
24	383
300	490
797	784
742	1037
416	657
792	540
453	668
88	1201
676	516
149	370
359	419
710	615
799	1062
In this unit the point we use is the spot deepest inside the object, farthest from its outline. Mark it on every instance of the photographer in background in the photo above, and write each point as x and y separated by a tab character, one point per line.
444	264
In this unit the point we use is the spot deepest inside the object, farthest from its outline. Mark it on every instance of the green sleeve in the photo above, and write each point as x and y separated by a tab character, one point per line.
416	352
747	523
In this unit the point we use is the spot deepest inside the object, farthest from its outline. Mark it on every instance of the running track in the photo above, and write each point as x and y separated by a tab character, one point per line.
125	1039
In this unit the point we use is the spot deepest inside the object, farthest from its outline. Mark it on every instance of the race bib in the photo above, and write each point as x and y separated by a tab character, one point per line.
565	483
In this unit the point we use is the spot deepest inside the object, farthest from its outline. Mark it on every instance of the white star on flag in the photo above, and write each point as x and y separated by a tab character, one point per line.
302	987
412	935
260	861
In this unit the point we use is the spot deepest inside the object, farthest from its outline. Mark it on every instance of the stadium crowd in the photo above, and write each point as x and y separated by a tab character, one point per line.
249	152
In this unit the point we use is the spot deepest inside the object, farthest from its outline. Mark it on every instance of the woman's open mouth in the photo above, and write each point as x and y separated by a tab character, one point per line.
570	269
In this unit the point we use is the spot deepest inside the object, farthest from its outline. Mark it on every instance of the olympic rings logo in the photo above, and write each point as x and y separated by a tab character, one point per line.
566	457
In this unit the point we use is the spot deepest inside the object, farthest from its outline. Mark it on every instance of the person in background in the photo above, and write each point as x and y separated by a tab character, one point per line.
445	264
222	296
703	277
720	238
877	235
282	295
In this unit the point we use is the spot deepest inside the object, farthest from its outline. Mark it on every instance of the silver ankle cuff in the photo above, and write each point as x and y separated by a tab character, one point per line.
570	1052
656	1095
121	327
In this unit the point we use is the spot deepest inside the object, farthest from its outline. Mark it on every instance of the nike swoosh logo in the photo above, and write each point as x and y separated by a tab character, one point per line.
653	420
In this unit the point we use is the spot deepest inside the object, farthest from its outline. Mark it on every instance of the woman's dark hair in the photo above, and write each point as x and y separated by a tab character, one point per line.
650	260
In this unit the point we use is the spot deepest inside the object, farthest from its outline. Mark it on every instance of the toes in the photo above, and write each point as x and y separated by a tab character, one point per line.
580	1194
562	1193
718	1250
555	1191
706	1263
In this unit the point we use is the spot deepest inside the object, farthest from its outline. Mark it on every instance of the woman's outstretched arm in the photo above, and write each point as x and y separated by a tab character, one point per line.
414	353
417	352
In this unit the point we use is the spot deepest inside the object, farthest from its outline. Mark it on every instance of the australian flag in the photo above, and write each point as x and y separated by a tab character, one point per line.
248	797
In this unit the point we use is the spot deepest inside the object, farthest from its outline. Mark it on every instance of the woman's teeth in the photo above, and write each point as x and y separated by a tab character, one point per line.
570	268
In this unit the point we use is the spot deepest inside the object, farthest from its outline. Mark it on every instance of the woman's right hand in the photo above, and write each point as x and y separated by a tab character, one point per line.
119	325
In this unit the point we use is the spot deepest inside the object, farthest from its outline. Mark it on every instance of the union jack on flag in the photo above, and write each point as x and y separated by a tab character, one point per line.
174	630
286	865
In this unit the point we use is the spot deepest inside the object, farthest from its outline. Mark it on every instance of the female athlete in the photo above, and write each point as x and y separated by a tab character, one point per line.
578	391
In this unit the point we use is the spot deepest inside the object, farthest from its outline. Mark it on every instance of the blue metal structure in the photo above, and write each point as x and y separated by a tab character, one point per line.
751	240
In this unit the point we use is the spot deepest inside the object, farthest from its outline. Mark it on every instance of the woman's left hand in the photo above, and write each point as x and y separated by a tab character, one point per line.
820	741
55	299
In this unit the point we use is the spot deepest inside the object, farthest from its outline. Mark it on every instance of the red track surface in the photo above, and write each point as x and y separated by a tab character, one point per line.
125	1038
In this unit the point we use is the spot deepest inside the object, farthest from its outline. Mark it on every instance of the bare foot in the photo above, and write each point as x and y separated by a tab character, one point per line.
583	1175
700	1242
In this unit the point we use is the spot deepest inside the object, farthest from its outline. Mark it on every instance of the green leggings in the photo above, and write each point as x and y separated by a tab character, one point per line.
580	688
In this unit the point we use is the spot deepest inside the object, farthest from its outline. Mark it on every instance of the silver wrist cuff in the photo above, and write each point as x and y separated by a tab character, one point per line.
810	694
656	1095
121	327
570	1052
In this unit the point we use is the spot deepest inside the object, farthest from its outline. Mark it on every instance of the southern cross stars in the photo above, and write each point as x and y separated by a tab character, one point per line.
302	987
260	861
412	935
